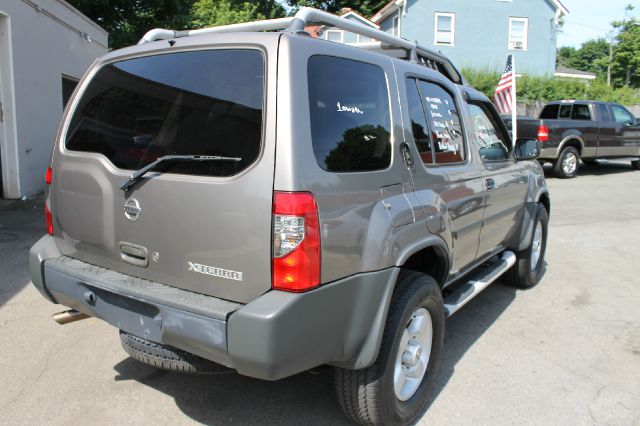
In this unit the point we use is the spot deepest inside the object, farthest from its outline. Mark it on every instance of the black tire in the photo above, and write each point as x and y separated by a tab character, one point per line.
367	396
566	155
167	357
522	274
635	164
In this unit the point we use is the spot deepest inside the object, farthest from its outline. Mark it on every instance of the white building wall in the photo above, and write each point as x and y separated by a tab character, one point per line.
48	38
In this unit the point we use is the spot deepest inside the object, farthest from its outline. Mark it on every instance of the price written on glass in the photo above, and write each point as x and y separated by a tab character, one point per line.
443	123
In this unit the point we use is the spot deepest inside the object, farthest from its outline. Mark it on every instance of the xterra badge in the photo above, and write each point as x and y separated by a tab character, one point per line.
216	272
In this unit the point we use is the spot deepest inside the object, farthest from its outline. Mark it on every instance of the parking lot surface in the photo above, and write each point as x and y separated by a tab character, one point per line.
564	352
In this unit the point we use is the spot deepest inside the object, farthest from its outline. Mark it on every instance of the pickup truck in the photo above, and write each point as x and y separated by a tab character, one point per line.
570	131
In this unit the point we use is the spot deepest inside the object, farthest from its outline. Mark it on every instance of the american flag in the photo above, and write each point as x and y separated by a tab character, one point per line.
502	96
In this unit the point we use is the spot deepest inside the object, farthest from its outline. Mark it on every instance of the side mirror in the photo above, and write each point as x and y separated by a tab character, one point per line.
526	149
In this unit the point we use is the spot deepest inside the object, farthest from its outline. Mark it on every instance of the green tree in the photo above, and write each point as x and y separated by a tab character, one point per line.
593	56
366	8
626	57
207	13
128	20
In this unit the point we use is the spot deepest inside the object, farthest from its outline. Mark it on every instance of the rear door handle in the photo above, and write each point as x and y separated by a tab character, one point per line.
490	184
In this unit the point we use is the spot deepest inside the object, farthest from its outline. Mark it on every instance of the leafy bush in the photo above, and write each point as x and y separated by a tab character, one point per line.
531	88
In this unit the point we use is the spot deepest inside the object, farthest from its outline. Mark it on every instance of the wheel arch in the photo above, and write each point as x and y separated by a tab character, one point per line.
430	257
572	140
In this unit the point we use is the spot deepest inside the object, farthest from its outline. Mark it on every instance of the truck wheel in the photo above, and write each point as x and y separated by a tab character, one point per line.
396	388
566	166
635	165
527	270
167	357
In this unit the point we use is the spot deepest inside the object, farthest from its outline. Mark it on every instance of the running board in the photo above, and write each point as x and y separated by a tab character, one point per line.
467	291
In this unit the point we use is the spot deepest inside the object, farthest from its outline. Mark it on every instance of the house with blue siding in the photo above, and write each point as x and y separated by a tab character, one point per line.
480	33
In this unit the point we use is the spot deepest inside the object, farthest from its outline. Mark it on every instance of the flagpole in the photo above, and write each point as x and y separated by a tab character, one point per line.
514	105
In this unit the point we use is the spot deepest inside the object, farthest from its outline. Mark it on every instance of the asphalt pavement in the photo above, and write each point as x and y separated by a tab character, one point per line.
564	352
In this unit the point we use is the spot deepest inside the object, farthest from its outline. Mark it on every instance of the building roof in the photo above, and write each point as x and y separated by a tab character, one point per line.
394	5
566	72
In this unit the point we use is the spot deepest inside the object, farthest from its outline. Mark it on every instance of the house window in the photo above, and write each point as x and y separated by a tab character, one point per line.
518	29
395	25
445	29
334	35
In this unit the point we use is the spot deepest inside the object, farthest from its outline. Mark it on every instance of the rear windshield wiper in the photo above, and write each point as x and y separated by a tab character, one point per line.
135	176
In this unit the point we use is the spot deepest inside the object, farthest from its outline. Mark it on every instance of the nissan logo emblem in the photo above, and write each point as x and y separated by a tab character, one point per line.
132	209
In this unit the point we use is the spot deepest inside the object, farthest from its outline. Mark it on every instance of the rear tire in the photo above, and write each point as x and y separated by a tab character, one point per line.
529	266
396	388
566	166
167	357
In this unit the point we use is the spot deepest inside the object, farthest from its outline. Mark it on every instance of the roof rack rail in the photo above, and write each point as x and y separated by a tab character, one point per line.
306	16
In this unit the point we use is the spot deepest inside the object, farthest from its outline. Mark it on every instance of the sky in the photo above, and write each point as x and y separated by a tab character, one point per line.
589	19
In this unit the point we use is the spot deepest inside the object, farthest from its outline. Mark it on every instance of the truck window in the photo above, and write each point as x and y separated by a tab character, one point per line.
550	112
350	116
621	115
444	123
419	126
580	112
603	113
565	112
488	134
206	102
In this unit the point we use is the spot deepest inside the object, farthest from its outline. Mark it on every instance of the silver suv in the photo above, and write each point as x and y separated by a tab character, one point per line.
270	202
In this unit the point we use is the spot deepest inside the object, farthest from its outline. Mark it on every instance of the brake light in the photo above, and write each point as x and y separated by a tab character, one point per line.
543	133
48	176
296	242
48	219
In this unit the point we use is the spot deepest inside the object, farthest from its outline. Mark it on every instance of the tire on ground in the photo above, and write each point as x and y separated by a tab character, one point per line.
565	156
367	396
167	357
523	274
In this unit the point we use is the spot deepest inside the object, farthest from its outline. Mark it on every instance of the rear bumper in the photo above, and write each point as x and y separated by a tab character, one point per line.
274	336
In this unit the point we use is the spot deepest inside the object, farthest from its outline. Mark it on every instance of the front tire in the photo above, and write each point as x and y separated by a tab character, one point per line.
529	266
566	166
396	388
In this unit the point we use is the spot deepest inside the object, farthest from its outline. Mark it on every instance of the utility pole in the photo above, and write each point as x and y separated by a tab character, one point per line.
609	65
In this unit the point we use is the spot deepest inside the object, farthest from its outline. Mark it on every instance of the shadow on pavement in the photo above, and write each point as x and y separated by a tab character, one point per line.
21	225
305	398
602	168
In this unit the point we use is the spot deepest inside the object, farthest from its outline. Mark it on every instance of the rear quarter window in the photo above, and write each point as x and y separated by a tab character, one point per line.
349	112
550	112
206	102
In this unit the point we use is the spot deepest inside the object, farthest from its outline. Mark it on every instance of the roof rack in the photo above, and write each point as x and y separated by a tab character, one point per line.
307	16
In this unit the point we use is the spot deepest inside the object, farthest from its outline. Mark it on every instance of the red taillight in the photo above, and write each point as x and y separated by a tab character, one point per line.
296	242
49	219
48	176
47	213
543	133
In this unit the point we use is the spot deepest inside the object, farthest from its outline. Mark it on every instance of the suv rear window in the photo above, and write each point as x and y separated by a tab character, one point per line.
206	102
350	118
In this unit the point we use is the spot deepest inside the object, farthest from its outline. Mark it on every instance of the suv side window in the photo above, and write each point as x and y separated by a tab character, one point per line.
350	116
621	115
580	112
419	126
488	134
444	122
